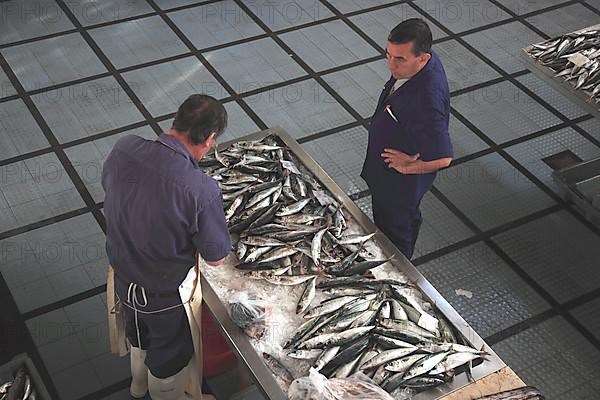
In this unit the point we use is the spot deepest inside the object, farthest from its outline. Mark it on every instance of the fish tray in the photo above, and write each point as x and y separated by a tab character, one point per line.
219	283
558	83
8	370
580	184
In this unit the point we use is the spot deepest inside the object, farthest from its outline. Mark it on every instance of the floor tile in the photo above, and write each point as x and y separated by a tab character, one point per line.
462	16
301	109
120	395
545	247
19	133
27	19
92	12
168	4
463	68
86	109
49	327
563	104
137	42
255	64
329	45
214	24
356	5
464	140
440	227
76	381
48	264
555	358
341	156
111	368
521	7
378	24
594	3
287	13
500	297
503	112
360	86
36	191
591	126
238	123
587	315
88	158
62	354
163	87
365	205
52	61
88	316
491	192
502	45
564	20
6	88
530	153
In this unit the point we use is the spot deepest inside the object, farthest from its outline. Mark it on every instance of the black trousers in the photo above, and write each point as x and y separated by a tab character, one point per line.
165	335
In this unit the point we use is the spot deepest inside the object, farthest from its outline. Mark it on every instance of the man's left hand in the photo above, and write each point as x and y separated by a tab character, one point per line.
401	162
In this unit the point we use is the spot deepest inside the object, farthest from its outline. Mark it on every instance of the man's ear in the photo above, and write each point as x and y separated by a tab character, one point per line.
425	57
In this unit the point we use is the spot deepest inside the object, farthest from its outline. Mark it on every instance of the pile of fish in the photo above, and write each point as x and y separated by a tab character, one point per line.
287	230
20	388
575	57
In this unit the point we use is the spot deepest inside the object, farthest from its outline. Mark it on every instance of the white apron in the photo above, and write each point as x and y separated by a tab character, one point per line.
190	292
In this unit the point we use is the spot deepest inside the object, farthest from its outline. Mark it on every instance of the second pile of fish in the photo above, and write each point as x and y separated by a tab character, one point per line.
18	388
288	230
575	57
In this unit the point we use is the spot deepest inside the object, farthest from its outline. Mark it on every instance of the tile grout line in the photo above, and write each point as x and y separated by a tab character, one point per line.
214	73
589	6
541	317
520	18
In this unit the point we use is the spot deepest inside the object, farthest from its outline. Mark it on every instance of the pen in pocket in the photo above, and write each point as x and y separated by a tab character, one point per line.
388	108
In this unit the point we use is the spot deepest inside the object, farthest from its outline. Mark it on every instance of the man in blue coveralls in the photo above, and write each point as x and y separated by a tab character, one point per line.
408	135
161	211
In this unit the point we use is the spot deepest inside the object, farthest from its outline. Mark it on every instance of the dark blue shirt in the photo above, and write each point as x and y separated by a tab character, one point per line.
160	209
421	107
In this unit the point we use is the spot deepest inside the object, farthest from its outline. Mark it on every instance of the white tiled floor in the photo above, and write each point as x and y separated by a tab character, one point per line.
62	259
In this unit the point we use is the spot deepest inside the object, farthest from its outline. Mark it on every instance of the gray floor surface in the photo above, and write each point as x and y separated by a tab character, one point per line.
77	76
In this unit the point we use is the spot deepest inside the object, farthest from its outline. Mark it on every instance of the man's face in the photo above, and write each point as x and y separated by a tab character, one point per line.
402	62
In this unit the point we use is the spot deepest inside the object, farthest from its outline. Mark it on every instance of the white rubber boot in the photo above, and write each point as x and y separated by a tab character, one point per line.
171	388
139	373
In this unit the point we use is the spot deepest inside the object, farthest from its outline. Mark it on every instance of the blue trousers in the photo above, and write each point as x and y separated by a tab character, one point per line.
399	221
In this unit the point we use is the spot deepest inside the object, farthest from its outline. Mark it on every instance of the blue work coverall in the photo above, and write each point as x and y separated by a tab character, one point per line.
415	121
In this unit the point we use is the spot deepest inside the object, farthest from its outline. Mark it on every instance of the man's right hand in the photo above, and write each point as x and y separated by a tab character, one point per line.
216	263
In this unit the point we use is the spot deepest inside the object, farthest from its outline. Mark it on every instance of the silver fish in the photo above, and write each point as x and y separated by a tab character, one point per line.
307	296
425	365
335	339
277	368
326	356
293	208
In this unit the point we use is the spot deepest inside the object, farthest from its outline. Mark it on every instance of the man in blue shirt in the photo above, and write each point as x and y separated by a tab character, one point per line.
408	135
161	211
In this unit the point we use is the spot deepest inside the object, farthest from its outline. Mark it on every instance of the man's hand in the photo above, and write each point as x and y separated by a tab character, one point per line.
216	263
401	162
407	164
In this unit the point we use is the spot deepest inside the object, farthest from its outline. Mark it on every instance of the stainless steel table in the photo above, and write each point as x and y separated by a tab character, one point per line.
253	361
547	75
